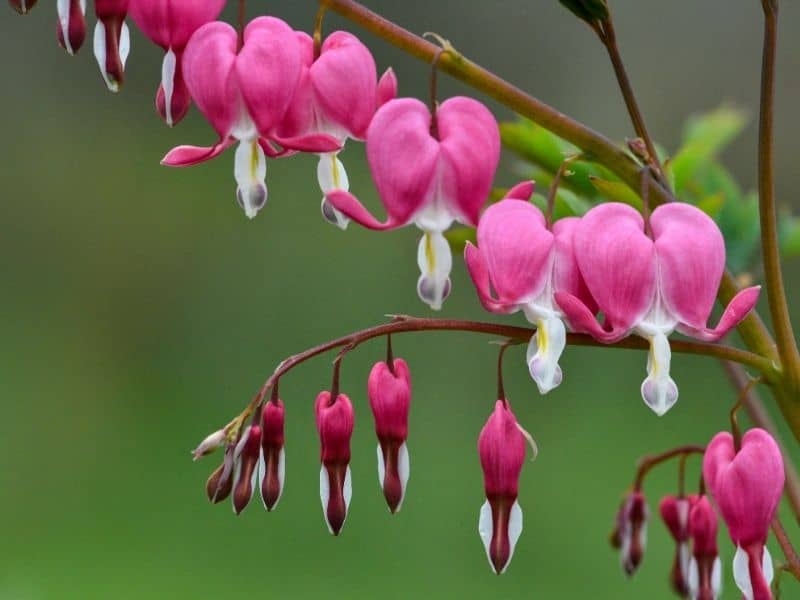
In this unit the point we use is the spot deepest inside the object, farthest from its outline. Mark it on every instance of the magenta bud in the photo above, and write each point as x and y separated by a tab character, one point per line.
705	568
630	534
675	514
389	393
335	421
272	464
71	26
501	447
246	458
22	6
387	87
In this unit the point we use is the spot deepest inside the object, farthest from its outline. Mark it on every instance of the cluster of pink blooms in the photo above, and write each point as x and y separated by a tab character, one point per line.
746	484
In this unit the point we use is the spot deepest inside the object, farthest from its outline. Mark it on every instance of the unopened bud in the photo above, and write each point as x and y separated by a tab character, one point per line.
210	444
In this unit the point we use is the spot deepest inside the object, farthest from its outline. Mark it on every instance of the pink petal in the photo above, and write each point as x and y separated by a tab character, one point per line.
617	261
470	145
268	69
566	274
582	319
299	117
185	156
387	87
691	259
348	204
170	23
735	313
522	191
479	272
208	71
316	142
403	157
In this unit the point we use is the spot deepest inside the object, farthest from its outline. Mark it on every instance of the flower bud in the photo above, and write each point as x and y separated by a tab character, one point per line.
335	420
22	6
71	31
675	514
630	534
705	568
389	391
112	41
220	483
501	446
245	475
211	443
272	464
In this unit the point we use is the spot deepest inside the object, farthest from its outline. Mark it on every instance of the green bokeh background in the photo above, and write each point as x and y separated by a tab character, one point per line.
140	310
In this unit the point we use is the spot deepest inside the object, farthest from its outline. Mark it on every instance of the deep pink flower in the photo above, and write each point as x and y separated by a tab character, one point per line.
675	512
652	286
501	447
630	532
428	178
747	488
272	460
170	24
525	263
112	41
338	95
245	467
335	419
244	93
389	391
71	29
705	568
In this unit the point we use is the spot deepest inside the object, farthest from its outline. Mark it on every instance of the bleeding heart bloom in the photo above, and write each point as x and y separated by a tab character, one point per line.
337	95
652	285
705	568
272	461
245	460
22	6
526	264
747	486
170	24
675	514
244	93
71	24
501	447
630	532
112	41
335	419
389	391
429	173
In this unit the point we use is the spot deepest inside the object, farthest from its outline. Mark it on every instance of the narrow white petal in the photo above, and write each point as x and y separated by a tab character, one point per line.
716	577
766	566
685	557
435	261
486	529
404	471
100	54
168	67
381	467
544	352
332	175
250	171
659	390
741	573
62	6
348	491
325	494
693	578
281	475
260	472
514	531
124	43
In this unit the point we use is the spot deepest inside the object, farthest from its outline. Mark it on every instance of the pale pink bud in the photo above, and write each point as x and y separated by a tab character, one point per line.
675	514
210	444
389	393
501	446
747	487
272	463
335	420
245	476
630	534
705	568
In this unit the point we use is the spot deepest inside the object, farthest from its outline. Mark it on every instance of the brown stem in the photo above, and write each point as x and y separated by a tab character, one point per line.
682	476
792	560
647	463
501	390
241	22
318	30
390	354
553	191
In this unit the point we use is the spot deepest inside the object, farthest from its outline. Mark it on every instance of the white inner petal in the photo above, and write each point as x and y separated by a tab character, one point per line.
766	566
544	352
659	391
100	54
514	531
281	476
716	577
332	175
486	530
168	83
435	262
693	579
250	171
63	8
325	494
404	471
741	573
381	467
124	43
685	558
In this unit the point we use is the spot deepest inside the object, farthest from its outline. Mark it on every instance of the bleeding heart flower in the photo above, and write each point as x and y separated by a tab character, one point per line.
71	24
630	532
675	514
272	461
652	286
335	420
244	93
501	447
429	173
526	264
170	24
112	41
389	391
705	568
337	95
747	486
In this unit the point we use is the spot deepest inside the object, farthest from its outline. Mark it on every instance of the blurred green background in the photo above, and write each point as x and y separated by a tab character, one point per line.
140	310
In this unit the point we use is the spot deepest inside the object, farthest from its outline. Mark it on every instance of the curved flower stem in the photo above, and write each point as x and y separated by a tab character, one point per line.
792	560
647	463
779	309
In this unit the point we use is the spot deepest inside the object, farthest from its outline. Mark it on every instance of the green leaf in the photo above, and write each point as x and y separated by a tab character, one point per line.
789	234
711	205
617	191
587	10
738	222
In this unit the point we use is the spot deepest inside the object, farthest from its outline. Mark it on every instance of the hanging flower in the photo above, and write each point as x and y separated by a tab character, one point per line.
705	567
71	29
272	461
674	512
630	532
335	419
112	40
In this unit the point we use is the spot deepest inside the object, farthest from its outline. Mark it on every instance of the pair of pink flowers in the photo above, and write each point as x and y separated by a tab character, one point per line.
647	281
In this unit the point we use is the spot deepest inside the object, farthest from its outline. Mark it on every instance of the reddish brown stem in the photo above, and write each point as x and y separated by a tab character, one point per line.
647	463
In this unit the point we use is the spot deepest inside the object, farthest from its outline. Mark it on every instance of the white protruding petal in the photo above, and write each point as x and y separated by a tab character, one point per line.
716	577
250	171
261	473
514	531
124	43
168	82
659	390
544	351
63	8
766	566
693	578
347	492
332	175
435	262
381	467
281	475
685	558
741	573
325	494
486	529
100	54
404	471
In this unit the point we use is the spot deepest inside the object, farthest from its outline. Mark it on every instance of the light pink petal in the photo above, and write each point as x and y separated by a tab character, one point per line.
299	117
185	156
170	23
735	313
268	69
470	142
566	274
518	249
522	191
208	72
691	259
344	79
479	272
618	264
387	87
402	156
582	319
348	204
315	142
